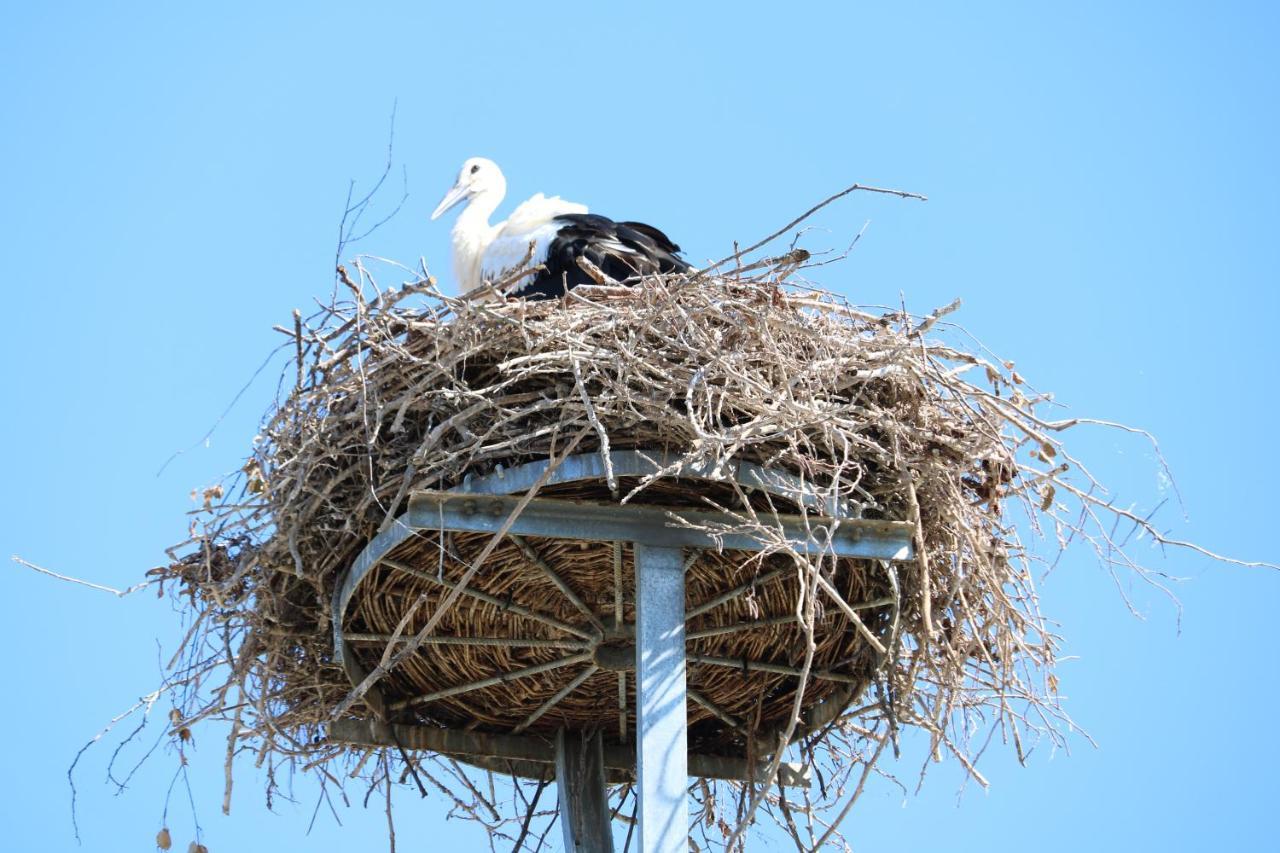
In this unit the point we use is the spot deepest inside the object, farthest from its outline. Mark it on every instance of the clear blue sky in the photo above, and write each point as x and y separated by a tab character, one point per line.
1104	195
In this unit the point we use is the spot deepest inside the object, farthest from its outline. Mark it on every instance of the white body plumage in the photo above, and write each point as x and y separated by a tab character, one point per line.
484	252
553	236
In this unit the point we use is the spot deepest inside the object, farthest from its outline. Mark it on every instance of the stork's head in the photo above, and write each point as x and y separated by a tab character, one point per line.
478	177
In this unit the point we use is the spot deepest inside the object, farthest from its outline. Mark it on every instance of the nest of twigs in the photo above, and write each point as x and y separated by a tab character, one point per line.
400	390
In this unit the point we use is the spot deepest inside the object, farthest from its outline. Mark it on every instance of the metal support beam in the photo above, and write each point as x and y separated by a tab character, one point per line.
584	799
657	526
528	755
661	715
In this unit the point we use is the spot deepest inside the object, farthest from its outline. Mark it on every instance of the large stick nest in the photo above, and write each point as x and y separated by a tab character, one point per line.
411	390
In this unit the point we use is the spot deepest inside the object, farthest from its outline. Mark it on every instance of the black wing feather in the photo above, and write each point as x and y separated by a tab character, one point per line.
622	251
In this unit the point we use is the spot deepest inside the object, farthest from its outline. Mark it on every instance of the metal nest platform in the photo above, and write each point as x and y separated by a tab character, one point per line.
658	622
624	625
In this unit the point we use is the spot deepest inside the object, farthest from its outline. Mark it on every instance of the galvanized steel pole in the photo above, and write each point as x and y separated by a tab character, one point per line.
661	716
584	797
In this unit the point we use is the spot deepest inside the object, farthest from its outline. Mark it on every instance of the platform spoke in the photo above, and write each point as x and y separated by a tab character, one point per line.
554	700
535	559
617	584
720	713
723	597
721	630
511	642
509	606
834	595
491	681
775	668
622	706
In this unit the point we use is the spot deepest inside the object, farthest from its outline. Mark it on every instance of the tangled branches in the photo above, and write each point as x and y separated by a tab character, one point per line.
405	389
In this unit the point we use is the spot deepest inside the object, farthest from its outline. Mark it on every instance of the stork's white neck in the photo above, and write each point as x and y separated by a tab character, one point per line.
471	235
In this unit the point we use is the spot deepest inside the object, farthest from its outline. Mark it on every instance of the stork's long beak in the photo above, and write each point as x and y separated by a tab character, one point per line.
452	197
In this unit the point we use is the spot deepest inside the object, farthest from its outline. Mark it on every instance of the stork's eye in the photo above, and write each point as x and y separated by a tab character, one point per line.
475	168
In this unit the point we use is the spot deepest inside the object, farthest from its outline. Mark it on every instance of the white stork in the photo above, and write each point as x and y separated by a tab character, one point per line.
560	231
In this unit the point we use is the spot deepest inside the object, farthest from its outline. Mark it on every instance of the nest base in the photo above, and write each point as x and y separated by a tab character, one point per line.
544	651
